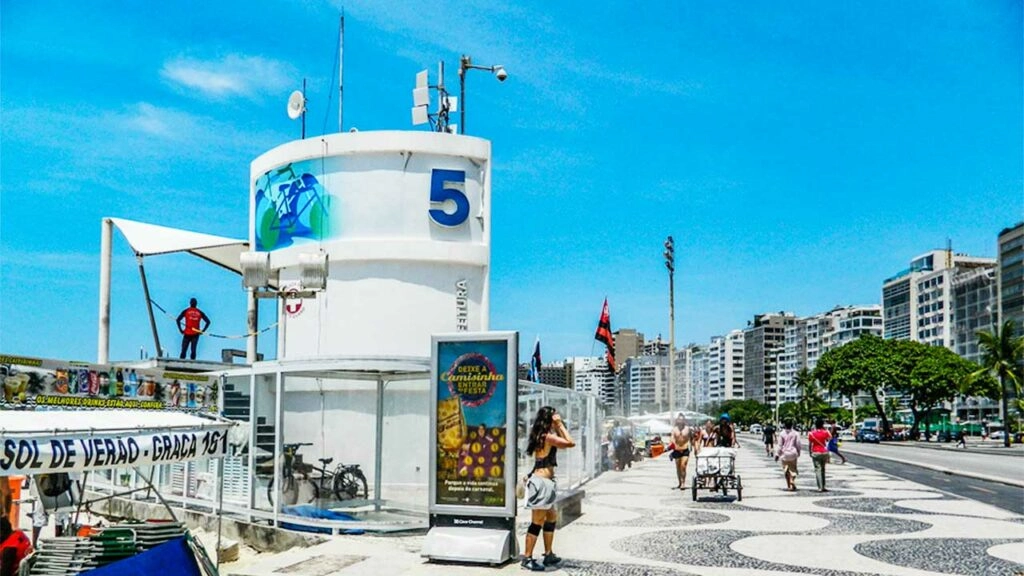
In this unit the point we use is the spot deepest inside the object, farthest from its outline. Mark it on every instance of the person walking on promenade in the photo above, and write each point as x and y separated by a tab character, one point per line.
833	443
706	437
682	436
768	434
725	433
191	331
817	441
546	437
788	453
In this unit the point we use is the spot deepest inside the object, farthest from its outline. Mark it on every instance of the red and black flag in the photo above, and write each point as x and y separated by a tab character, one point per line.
604	335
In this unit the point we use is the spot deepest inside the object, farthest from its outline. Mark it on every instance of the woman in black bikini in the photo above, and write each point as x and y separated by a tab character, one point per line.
547	436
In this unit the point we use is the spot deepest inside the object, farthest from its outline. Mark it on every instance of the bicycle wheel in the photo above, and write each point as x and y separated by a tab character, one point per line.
289	490
349	484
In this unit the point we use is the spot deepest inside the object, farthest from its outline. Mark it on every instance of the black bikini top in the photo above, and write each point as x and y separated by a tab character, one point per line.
549	461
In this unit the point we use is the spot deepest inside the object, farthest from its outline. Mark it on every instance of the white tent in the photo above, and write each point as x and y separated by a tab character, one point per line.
153	240
150	240
49	441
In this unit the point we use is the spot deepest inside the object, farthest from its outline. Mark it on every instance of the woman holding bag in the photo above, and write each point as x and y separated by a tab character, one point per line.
546	437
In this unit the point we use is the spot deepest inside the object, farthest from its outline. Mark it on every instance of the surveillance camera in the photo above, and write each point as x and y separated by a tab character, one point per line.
500	73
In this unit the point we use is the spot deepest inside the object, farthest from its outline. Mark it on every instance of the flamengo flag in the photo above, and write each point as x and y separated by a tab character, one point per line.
604	334
534	375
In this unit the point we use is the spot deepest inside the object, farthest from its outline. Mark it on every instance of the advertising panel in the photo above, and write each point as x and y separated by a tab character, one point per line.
474	434
42	382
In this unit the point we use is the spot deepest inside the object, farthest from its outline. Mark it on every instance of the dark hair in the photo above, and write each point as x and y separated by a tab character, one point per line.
541	427
788	423
819	422
5	528
193	302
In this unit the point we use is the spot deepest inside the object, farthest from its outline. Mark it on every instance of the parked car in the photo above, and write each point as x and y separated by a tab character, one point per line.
868	435
845	435
756	429
996	435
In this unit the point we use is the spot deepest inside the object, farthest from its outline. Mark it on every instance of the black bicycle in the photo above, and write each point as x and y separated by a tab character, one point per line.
345	482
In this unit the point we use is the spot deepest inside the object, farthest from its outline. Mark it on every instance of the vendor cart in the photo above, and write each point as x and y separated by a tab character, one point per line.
716	471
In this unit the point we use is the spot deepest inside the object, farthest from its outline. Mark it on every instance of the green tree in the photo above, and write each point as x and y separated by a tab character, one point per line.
938	375
868	364
1002	356
746	412
810	403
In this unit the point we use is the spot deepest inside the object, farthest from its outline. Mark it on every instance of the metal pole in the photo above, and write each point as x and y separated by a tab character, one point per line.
278	434
149	306
341	67
463	62
160	496
379	456
220	506
671	340
106	258
252	323
303	108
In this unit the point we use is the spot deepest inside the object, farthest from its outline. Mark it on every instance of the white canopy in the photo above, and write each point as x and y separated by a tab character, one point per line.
150	239
48	441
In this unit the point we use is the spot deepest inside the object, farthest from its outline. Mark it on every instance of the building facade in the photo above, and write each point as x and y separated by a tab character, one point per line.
591	375
647	380
975	308
698	374
1011	276
763	342
917	303
725	368
628	343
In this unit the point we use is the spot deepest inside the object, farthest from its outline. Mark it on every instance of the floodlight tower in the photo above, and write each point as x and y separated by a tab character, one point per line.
670	264
465	64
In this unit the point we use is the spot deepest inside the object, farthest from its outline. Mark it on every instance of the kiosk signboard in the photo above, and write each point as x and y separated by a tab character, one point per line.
473	445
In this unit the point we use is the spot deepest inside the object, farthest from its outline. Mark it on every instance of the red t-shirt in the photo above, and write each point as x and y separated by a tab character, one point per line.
818	439
19	543
192	318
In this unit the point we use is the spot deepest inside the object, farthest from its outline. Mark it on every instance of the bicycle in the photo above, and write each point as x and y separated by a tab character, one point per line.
344	482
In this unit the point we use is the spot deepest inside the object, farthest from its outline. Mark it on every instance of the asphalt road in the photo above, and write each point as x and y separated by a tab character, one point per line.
994	493
1009	466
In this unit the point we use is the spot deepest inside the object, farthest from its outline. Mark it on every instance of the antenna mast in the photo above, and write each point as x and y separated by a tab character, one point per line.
341	66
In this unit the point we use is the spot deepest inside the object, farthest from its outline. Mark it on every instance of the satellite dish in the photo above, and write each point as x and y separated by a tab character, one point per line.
296	104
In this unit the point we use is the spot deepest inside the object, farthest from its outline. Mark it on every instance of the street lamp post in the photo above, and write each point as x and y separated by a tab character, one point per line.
670	264
466	63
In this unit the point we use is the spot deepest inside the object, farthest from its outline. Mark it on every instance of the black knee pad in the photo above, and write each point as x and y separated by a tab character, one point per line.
533	530
549	526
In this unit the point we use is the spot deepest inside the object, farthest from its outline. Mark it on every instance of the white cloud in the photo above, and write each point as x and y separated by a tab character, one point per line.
233	75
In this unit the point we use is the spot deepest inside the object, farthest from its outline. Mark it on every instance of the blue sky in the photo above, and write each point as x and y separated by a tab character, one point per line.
799	153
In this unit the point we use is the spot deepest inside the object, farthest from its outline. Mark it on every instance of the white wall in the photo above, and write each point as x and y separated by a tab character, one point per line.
393	269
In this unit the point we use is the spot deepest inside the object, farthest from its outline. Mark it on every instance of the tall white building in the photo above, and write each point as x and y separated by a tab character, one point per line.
917	303
591	375
647	380
699	375
725	368
685	394
809	338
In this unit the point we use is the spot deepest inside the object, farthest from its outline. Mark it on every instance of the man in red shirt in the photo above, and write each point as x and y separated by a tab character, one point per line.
191	331
14	547
818	441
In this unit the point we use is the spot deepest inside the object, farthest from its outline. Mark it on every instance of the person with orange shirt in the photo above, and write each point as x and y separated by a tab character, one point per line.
190	331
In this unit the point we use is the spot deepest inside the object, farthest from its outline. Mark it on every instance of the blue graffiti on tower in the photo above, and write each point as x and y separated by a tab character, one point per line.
291	206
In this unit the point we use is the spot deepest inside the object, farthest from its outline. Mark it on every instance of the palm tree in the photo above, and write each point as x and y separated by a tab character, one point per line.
1002	356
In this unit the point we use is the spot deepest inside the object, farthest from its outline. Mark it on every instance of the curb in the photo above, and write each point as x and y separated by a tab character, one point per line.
944	470
974	448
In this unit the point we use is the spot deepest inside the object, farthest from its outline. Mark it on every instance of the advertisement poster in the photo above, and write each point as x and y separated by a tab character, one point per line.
472	413
41	382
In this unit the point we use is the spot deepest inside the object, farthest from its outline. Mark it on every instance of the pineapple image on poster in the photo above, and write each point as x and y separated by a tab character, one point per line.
471	433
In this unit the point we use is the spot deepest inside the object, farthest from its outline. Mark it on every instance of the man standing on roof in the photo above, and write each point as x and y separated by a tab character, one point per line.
191	331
